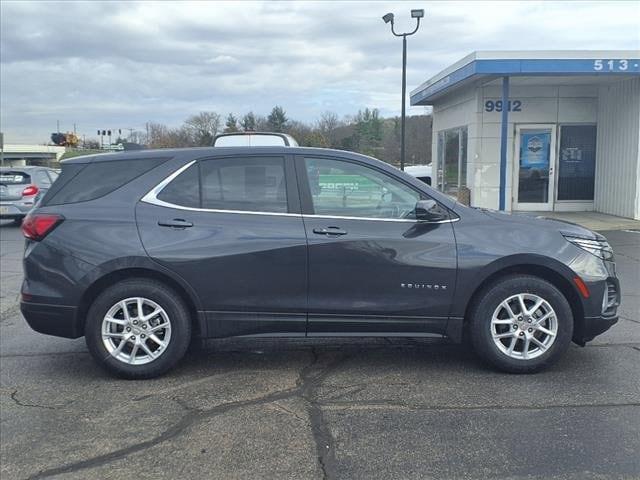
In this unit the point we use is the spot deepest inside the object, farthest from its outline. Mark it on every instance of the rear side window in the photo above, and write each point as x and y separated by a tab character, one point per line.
249	184
94	180
14	178
184	190
42	179
246	184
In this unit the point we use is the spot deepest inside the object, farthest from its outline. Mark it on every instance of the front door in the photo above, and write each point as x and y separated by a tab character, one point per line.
533	172
372	267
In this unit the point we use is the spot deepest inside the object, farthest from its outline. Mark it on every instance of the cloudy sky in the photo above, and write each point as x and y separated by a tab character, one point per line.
119	65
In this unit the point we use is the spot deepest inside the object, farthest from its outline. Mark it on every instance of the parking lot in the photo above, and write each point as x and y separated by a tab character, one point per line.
379	408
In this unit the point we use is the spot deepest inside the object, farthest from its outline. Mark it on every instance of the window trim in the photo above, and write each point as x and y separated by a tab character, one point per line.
151	197
297	185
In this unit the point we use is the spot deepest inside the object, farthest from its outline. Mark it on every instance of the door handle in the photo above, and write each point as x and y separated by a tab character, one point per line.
329	231
175	223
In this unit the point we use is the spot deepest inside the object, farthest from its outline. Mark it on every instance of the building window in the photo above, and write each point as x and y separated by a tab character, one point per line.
452	160
577	162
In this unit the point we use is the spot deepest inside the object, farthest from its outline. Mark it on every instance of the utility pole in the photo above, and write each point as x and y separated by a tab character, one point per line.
1	149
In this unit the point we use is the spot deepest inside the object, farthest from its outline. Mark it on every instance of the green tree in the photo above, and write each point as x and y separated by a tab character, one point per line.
231	124
368	134
248	122
277	119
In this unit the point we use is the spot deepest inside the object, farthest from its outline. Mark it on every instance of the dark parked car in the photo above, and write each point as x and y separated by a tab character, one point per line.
141	251
21	188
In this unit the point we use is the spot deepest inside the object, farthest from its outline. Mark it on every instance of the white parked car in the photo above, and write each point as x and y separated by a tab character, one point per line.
421	172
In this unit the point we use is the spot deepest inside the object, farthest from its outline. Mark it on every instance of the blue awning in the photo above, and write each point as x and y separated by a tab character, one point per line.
476	69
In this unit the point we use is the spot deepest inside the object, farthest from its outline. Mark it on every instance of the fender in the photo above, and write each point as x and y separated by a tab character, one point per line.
468	284
139	263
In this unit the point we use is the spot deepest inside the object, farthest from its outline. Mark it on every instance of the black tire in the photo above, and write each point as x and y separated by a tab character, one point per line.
157	292
491	298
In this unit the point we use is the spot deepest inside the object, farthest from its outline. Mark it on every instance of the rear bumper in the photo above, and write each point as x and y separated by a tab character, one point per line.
15	209
57	320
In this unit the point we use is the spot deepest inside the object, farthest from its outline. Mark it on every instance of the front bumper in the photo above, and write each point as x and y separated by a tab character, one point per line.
591	327
57	320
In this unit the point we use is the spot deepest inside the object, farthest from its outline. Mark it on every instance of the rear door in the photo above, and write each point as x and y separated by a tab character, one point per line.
373	268
231	228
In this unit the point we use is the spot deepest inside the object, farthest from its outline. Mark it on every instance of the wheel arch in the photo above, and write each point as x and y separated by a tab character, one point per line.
544	271
107	279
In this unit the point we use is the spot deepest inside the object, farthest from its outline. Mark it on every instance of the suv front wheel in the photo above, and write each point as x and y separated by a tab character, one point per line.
521	324
138	328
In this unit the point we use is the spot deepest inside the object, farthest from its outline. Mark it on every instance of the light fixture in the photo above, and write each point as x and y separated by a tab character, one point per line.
388	18
417	13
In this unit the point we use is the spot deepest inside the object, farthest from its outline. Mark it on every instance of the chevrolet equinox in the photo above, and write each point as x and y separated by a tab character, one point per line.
141	252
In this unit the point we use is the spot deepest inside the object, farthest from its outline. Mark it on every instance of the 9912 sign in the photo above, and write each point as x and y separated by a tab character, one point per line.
496	106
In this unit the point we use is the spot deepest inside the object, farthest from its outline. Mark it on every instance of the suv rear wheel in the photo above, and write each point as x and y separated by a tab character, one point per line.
138	328
521	324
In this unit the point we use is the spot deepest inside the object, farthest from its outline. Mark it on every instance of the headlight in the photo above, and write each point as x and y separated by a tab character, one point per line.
599	248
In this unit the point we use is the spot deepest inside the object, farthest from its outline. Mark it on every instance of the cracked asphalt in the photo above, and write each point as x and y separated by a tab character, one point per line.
353	408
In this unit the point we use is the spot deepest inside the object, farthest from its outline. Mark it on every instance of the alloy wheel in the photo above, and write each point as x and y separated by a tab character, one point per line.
524	326
136	331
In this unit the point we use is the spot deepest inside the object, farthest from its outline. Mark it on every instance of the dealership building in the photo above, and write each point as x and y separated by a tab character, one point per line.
539	131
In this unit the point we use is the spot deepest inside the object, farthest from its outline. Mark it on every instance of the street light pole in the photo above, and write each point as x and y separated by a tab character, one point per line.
404	99
388	18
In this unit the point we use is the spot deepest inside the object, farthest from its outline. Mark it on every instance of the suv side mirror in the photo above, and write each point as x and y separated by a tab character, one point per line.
430	211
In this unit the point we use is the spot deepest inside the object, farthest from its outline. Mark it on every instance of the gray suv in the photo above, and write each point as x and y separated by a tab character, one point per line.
20	189
140	252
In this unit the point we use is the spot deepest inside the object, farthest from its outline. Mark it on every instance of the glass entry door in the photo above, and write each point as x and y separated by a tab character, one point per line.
533	172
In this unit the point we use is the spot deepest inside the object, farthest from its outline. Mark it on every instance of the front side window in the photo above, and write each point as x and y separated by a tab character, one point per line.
351	190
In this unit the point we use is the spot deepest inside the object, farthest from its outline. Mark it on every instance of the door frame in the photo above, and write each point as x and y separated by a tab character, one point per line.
553	156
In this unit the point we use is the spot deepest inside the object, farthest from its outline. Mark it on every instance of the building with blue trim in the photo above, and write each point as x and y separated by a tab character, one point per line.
545	130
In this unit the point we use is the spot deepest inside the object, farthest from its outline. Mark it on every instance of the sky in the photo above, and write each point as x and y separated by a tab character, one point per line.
115	65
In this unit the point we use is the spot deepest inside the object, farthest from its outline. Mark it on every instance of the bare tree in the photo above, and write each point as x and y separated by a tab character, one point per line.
203	127
327	122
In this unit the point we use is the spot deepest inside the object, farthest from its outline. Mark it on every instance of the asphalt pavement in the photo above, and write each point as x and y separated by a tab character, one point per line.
351	409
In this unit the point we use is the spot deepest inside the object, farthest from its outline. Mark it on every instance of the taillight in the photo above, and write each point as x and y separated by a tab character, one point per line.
30	190
39	225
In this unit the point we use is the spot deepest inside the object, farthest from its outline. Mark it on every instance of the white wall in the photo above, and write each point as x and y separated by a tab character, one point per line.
539	104
617	189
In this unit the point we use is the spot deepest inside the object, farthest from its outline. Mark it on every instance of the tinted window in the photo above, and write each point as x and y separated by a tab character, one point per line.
352	190
183	190
9	177
94	180
250	184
